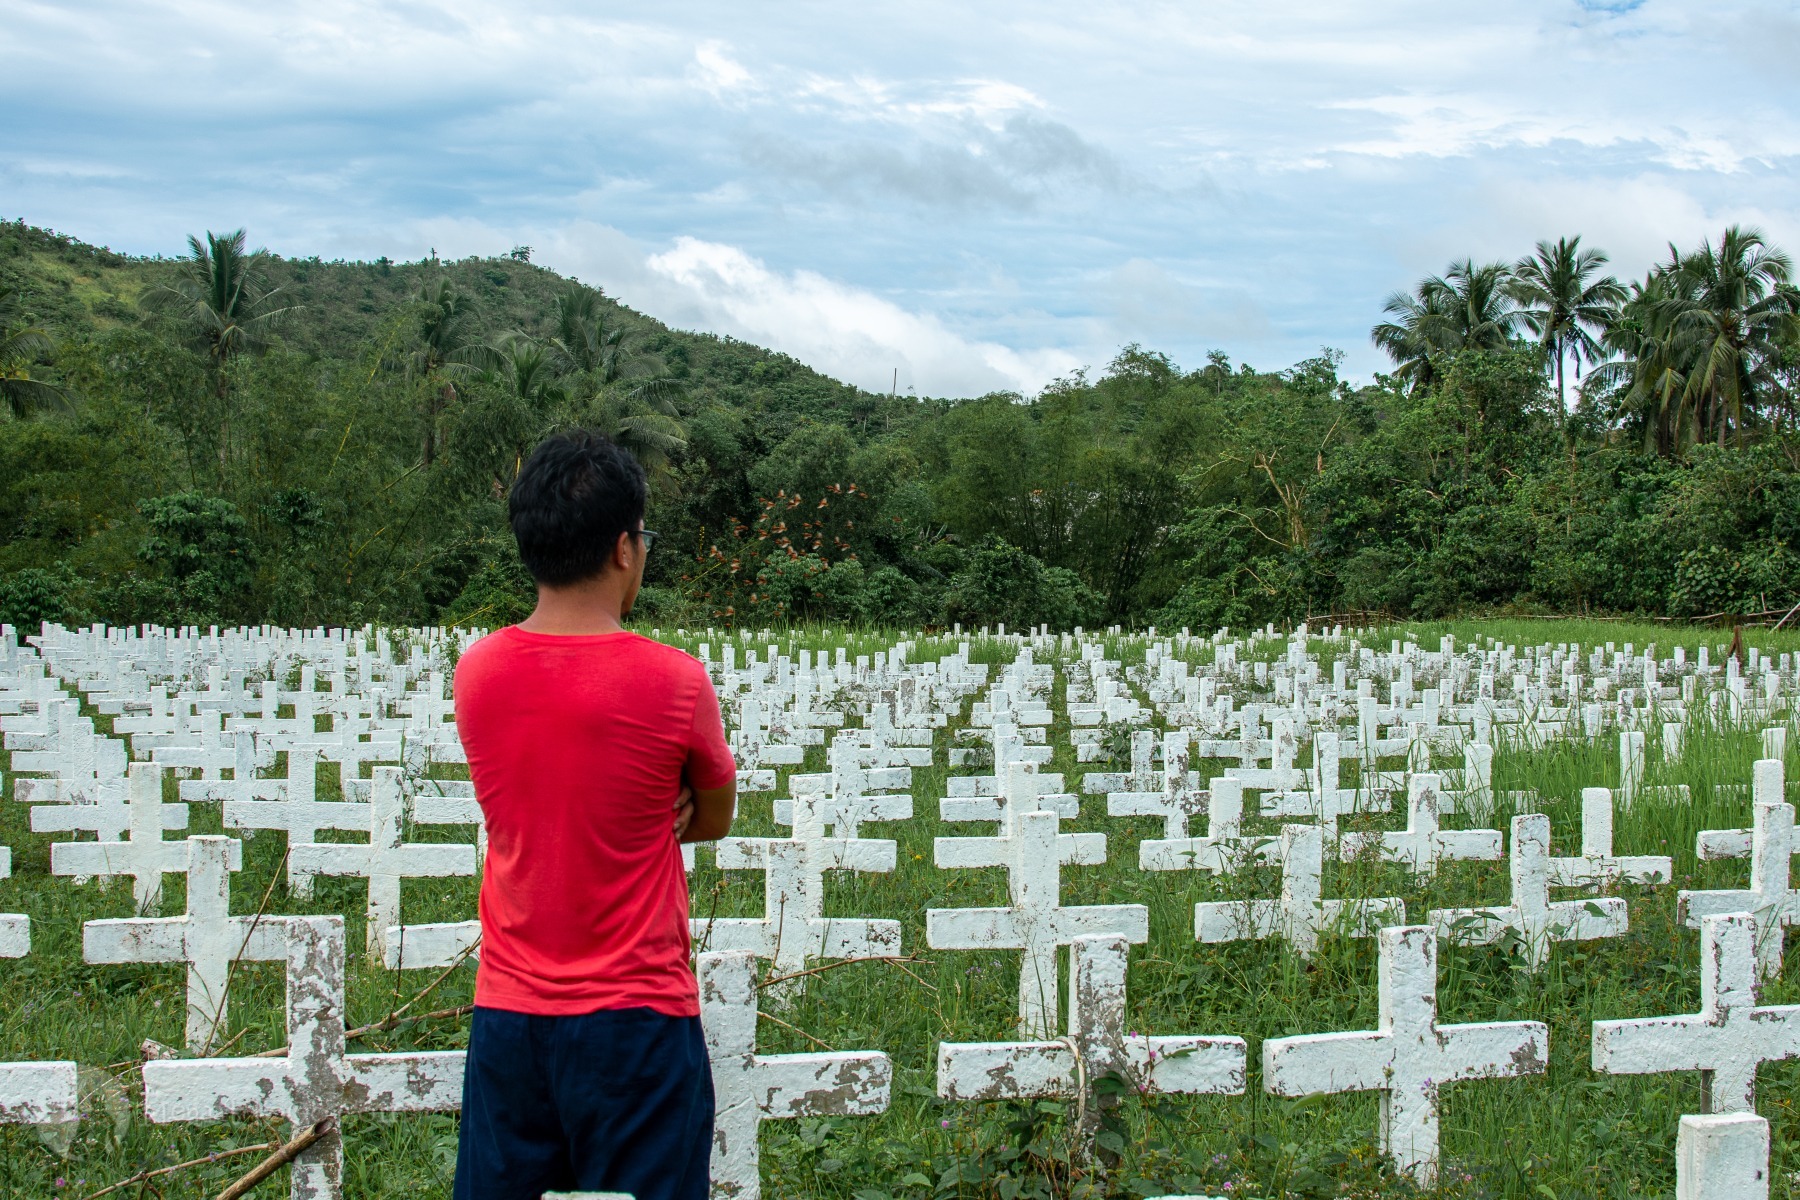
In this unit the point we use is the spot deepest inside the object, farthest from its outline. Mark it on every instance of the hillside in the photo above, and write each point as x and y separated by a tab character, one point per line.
347	459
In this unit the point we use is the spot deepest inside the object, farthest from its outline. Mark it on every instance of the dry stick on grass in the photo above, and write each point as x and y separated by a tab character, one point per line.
218	1156
809	1037
281	1158
362	1031
893	960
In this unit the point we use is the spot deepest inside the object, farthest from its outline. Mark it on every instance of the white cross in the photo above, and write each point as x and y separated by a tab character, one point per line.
1035	921
1142	776
750	1088
1726	1040
1722	1156
385	859
1097	1045
1597	865
1422	845
1409	1057
793	927
450	802
1767	781
315	1079
1176	796
243	784
208	939
107	816
1016	787
1300	913
1537	921
1225	847
290	805
850	793
146	857
1769	896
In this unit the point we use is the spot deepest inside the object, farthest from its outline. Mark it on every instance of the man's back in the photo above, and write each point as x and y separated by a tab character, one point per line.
577	747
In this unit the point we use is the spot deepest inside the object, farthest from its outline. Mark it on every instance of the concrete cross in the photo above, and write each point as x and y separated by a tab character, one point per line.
315	1079
1726	1040
1722	1156
38	1093
1598	866
244	783
208	939
1770	895
1531	915
850	793
145	857
1225	847
751	1088
1300	914
1016	787
1767	781
290	805
1175	798
107	815
1409	1057
1422	845
15	935
1142	777
1097	1045
1035	921
385	859
794	927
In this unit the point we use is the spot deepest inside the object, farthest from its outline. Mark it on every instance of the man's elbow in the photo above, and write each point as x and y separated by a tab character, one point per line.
713	814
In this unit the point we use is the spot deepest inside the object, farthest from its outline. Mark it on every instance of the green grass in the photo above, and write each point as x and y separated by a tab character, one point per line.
1570	1133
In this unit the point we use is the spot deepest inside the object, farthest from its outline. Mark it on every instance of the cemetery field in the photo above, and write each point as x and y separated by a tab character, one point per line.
1566	1133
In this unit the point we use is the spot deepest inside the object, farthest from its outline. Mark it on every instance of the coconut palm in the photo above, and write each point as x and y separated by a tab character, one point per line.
1564	304
1647	381
630	398
1731	309
22	347
221	294
446	320
1468	307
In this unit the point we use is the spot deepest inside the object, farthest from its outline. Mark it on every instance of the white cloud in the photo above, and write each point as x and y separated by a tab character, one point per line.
846	332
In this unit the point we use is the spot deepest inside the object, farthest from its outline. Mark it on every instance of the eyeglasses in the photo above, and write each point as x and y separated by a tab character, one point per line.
648	536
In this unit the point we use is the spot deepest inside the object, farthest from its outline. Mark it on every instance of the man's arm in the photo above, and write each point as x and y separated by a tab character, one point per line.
704	814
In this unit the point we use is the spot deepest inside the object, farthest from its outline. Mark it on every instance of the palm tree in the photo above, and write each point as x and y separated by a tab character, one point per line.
23	346
632	399
221	295
1732	308
1650	383
1561	301
445	320
1468	307
521	364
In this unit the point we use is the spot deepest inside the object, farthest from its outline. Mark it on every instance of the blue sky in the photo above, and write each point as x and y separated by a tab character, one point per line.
979	196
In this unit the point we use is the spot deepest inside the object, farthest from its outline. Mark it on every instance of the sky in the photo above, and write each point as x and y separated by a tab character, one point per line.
946	198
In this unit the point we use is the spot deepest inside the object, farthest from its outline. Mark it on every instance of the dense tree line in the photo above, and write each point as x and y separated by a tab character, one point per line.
233	436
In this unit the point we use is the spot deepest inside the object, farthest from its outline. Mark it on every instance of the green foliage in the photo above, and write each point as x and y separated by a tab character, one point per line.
199	547
365	420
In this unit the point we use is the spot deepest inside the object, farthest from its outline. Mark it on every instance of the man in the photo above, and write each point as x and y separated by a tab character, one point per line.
594	752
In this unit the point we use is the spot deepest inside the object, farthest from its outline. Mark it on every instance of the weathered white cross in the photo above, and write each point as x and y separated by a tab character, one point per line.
1300	914
1722	1156
850	793
1033	853
1770	897
1225	847
1597	865
315	1079
1726	1040
1767	781
1422	844
1409	1057
1175	798
38	1093
145	857
107	816
385	859
290	805
208	939
1097	1045
1536	920
1016	787
750	1088
793	927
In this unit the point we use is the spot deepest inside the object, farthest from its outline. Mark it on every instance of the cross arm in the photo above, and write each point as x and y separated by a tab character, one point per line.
206	1089
1648	1045
136	939
425	1082
1327	1062
1004	1070
37	1093
1495	1050
841	1084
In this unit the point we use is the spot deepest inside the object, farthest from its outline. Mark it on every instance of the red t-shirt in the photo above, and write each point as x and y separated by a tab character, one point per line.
578	746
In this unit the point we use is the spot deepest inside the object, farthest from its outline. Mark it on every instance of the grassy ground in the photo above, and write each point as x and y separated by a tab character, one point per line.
1571	1133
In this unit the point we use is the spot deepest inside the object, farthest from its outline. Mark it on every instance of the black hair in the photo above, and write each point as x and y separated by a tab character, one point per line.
574	496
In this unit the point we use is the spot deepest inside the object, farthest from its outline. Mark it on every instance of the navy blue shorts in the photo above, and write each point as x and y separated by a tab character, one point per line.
614	1101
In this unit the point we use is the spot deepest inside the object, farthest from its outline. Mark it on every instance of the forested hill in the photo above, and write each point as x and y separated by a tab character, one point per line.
233	436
